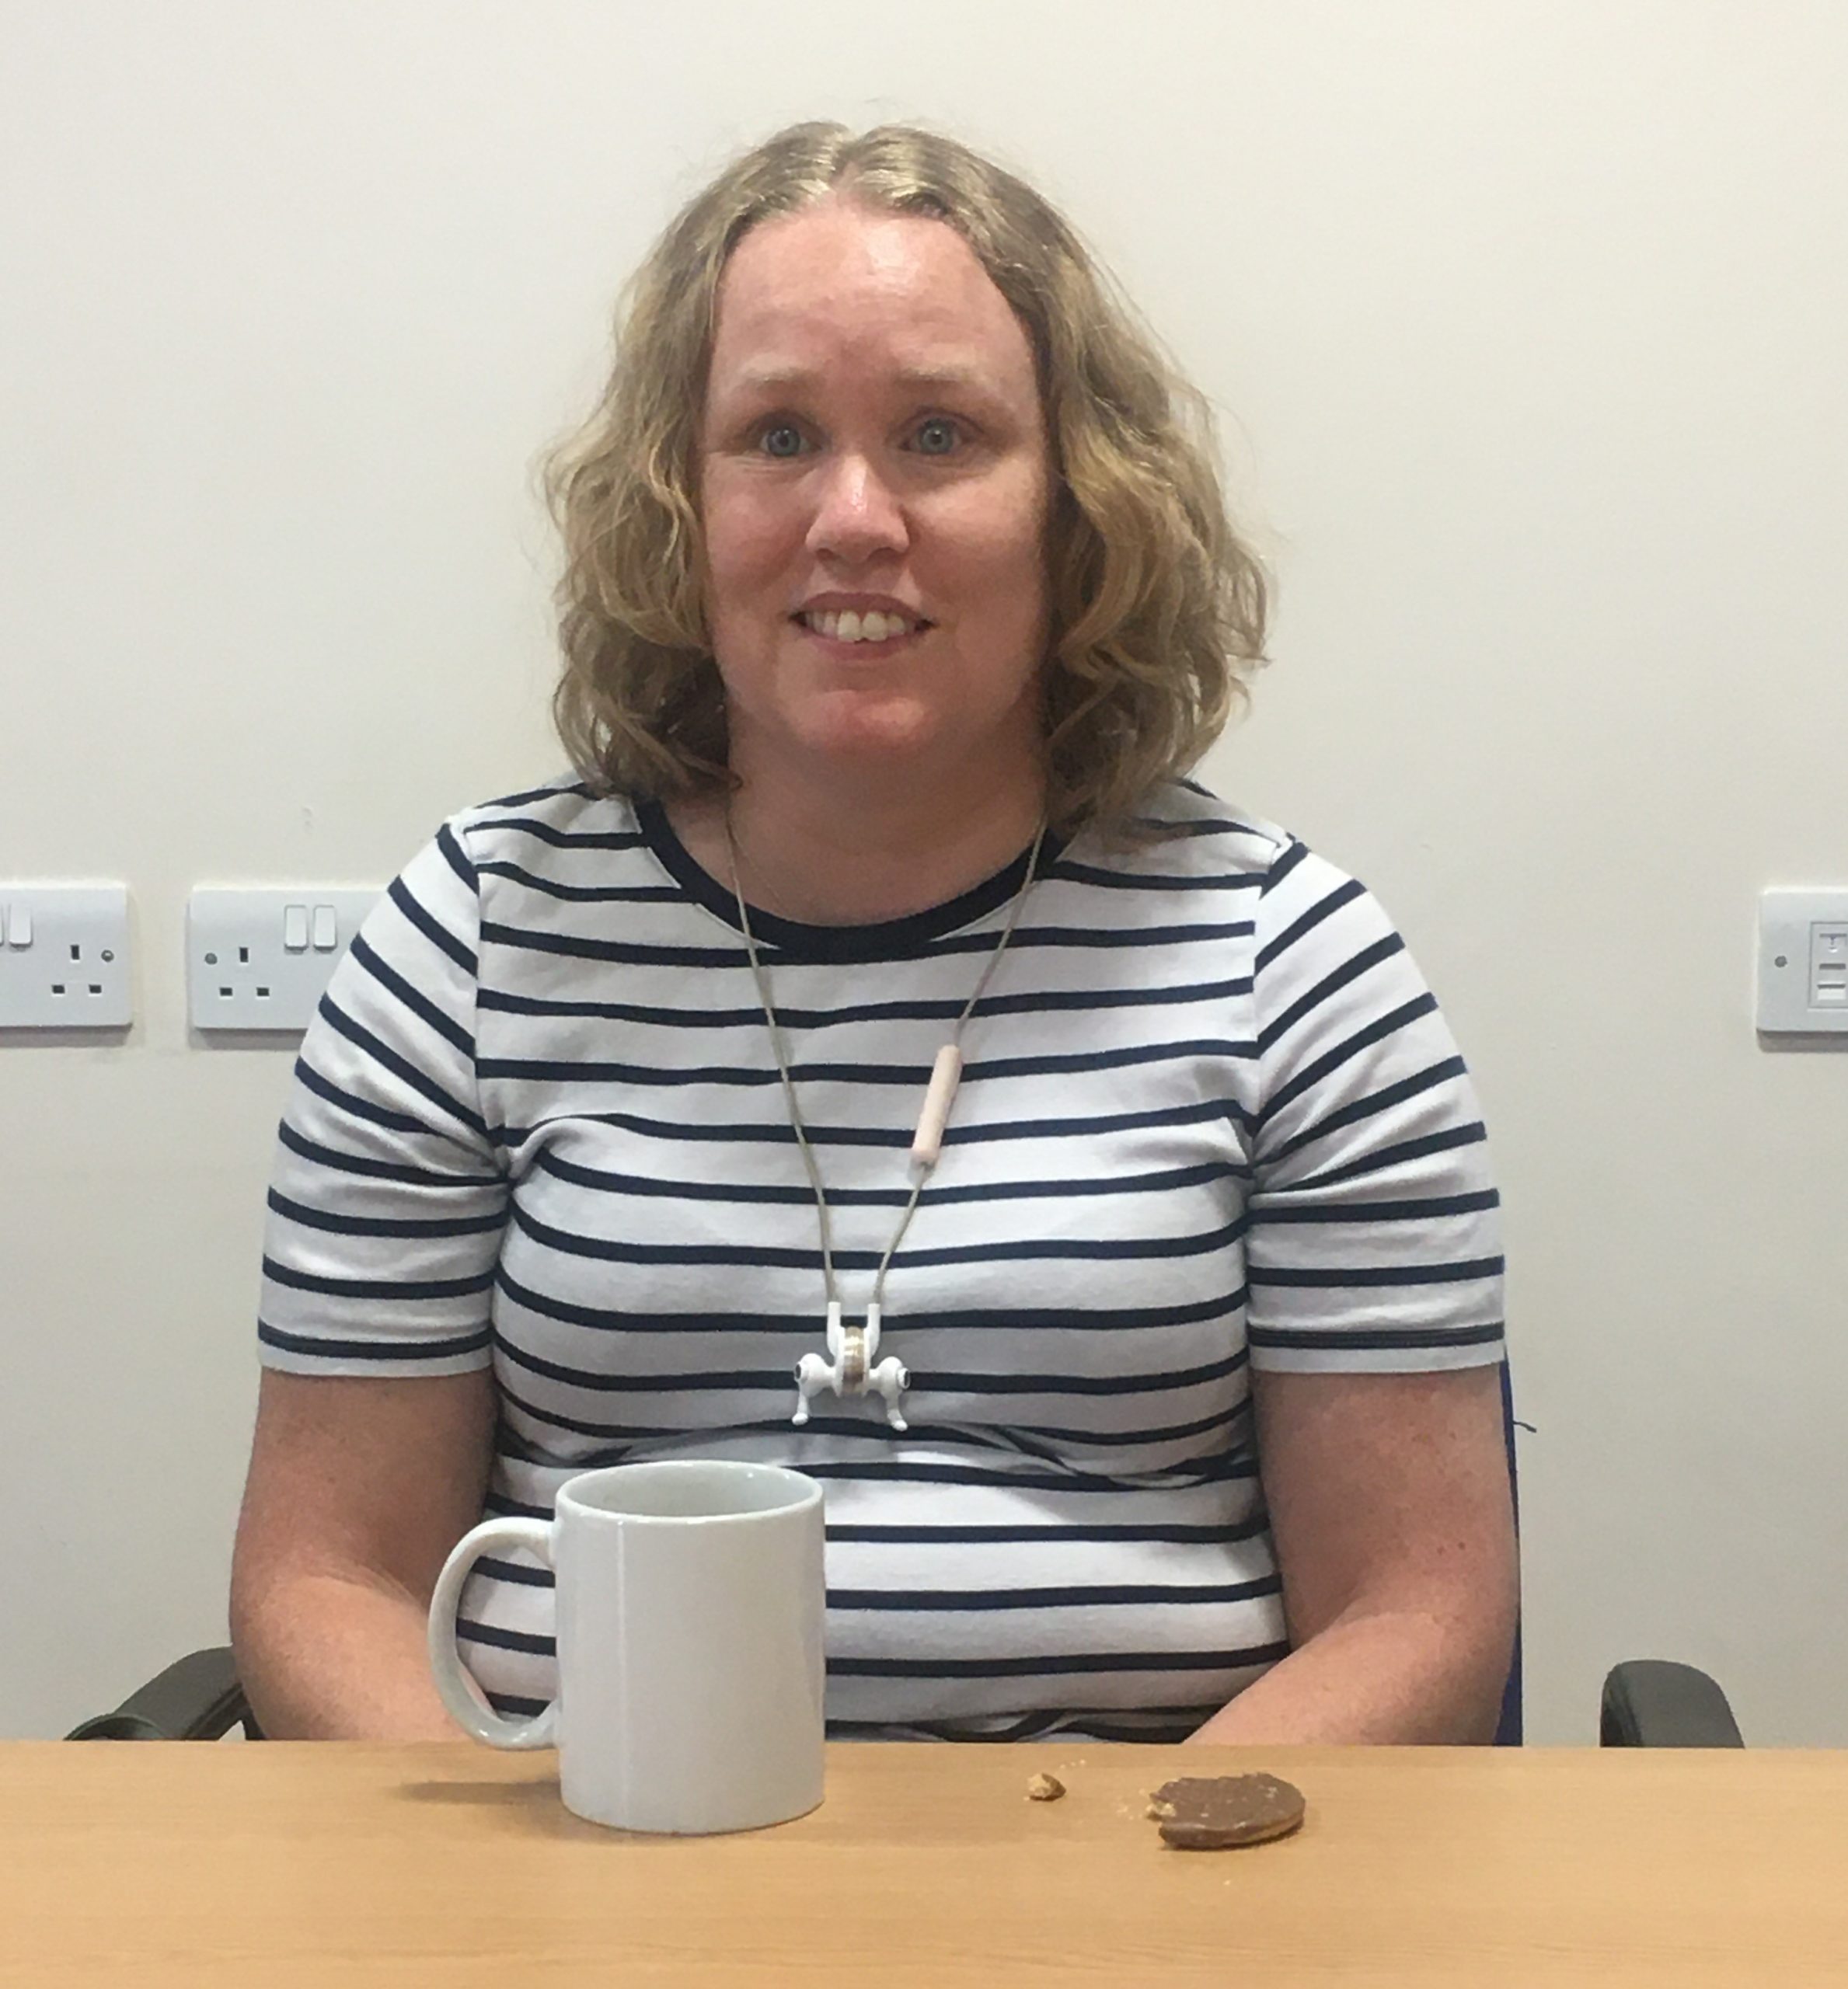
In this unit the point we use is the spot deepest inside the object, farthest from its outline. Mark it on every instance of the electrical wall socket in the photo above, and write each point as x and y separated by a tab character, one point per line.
64	956
1803	963
260	958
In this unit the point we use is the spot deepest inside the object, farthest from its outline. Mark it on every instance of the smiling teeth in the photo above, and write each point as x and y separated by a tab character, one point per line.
848	627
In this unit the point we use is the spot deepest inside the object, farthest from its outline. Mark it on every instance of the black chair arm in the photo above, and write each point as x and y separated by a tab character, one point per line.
1649	1702
198	1698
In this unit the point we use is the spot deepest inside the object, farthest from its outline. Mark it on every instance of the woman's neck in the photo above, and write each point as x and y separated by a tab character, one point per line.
823	857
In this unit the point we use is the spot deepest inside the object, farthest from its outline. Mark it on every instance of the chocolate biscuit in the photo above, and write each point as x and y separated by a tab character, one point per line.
1214	1813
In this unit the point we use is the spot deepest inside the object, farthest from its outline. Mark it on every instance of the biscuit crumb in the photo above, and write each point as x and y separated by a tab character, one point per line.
1044	1789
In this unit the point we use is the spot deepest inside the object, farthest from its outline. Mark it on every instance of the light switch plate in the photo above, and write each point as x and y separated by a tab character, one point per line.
64	956
258	958
1803	962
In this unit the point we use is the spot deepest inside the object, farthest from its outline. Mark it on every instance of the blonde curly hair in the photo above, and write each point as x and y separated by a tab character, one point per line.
1158	607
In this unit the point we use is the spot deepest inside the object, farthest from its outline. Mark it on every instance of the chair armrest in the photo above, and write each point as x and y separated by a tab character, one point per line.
198	1698
1650	1703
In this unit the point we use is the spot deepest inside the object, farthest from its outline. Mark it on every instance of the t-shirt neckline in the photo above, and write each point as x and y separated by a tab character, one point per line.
883	939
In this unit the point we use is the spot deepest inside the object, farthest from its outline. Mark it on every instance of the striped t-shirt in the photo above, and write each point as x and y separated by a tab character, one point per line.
1210	1117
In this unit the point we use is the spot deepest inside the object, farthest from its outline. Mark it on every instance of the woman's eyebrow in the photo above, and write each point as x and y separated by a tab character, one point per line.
754	378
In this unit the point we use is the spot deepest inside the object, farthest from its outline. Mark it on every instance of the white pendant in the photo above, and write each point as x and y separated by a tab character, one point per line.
849	1369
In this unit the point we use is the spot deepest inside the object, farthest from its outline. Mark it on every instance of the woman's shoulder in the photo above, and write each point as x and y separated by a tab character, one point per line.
1188	828
1205	840
563	814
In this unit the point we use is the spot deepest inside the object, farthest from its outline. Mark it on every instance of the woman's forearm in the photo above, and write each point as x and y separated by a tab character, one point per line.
324	1657
1398	1676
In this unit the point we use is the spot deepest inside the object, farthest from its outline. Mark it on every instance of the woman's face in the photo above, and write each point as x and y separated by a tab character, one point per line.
824	469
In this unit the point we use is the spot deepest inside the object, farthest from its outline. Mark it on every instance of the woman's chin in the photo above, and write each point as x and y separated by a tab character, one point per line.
873	729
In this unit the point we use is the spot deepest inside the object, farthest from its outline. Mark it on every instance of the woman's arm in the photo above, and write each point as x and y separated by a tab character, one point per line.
358	1488
1393	1524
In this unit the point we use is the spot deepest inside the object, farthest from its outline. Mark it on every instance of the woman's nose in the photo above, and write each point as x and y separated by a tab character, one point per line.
855	505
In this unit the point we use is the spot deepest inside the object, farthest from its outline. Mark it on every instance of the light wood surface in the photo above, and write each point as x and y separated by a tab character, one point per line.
285	1866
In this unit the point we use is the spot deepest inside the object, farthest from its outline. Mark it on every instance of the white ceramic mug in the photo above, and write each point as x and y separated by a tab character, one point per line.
689	1619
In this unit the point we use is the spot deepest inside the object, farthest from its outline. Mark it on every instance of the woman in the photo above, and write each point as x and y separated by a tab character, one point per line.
608	1120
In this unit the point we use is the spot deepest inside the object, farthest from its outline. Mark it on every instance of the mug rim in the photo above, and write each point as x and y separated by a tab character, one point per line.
807	1490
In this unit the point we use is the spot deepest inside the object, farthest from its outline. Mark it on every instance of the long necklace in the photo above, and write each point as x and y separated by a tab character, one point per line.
852	1366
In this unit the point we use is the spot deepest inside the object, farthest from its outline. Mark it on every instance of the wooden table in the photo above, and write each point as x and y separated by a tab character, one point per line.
305	1866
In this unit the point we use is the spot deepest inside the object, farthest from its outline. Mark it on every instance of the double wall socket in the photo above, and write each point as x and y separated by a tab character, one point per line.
260	959
64	956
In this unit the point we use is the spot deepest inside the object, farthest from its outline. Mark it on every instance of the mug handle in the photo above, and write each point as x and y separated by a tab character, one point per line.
445	1661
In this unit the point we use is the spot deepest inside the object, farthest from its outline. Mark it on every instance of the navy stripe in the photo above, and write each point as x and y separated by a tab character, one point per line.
427	1010
1159	1726
1344	894
1027	1728
1053	1532
1026	1439
354	1225
310	1079
552	887
374	1288
1029	1319
381	1170
1293	854
1046	1001
1054	1535
1270	1212
382	1054
951	1381
1375	1338
1211	1471
1207	828
1376	1032
511	1705
1142	881
1056	1664
472	1633
326	1346
635	952
1363	962
1217	1470
552	790
1157	1594
498	1570
910	1076
800	1194
1370	1107
432	930
1205	1109
764	1255
456	857
1446	1142
526	825
1359	1276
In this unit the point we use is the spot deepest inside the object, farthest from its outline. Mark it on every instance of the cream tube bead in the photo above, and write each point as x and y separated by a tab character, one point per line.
927	1142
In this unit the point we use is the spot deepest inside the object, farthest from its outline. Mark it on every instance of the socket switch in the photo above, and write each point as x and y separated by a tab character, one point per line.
260	959
64	956
1803	962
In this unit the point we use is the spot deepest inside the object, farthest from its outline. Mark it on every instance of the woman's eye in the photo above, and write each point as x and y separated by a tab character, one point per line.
936	421
940	422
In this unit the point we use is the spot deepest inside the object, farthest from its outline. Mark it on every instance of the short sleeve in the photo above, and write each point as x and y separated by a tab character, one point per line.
1374	1224
388	1199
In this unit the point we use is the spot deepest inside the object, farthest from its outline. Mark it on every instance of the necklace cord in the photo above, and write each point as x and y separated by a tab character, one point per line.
920	1169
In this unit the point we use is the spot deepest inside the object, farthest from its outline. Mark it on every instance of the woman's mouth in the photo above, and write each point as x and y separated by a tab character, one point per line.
859	648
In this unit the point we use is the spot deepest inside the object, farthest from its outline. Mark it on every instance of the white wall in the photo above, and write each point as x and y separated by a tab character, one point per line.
1529	320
